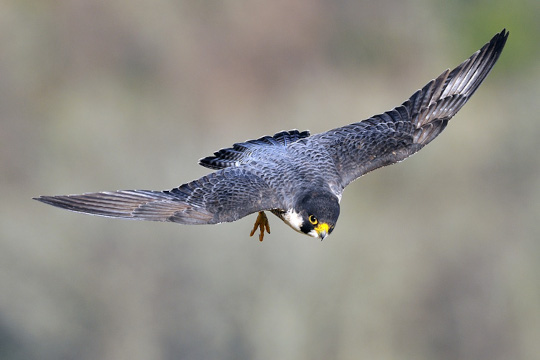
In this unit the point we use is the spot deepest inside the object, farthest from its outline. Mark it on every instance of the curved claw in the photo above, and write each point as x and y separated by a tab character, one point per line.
262	224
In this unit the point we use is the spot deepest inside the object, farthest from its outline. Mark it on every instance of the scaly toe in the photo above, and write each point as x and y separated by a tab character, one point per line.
262	224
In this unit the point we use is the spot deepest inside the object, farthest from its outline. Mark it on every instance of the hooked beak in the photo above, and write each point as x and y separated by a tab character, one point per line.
322	230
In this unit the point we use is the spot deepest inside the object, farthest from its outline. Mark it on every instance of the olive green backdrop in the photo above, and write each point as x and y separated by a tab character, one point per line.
437	257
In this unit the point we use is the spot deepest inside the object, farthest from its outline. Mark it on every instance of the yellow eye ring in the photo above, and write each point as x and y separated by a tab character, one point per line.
312	219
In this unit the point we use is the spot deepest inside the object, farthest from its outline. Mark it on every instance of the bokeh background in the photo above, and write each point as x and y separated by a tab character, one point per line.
437	257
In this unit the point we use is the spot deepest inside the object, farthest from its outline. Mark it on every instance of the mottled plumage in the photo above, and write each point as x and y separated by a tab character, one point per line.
298	177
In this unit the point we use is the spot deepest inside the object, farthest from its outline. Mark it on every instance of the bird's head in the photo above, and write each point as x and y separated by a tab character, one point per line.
319	213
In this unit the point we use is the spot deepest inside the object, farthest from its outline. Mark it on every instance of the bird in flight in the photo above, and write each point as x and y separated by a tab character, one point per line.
296	176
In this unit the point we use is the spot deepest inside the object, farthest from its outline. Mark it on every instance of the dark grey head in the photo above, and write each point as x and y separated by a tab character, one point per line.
319	212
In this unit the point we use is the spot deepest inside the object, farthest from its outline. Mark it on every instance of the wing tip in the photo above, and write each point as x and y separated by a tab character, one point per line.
50	200
499	40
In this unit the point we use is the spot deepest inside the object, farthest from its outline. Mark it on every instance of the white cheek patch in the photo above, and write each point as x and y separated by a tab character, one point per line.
293	219
313	233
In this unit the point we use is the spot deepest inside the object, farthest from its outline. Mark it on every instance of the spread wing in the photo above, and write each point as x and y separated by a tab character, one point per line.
222	196
393	136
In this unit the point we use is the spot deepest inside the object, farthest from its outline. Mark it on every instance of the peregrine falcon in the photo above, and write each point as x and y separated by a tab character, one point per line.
297	176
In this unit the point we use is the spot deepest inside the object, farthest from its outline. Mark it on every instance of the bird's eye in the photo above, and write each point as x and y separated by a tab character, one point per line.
313	219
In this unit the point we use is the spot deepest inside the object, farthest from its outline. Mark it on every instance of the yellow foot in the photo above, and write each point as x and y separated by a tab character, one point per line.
262	224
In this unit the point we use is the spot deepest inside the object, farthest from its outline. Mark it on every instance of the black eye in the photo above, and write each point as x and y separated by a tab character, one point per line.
313	219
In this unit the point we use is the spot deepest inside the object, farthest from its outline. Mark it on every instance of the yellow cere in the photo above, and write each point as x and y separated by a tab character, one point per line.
322	228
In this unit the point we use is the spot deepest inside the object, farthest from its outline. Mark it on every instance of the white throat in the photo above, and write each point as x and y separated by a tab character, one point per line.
293	219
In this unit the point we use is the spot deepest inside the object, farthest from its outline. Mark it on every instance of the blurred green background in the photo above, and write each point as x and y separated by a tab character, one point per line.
437	257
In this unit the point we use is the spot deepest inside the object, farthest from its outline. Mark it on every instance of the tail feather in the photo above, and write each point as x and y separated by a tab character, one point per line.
240	151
